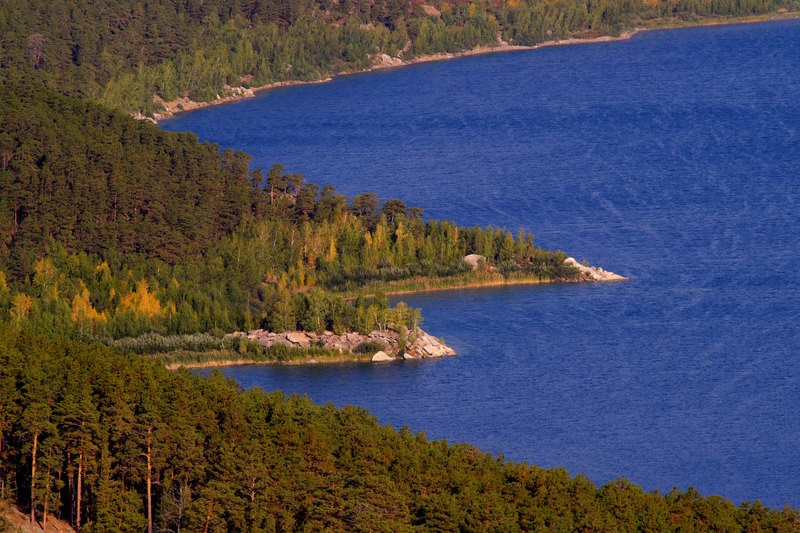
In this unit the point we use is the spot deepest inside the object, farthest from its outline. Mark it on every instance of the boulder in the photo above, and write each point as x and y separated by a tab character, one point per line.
297	337
431	11
427	346
475	260
380	357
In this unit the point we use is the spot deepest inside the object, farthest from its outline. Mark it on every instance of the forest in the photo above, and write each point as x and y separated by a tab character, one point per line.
113	442
113	228
118	240
136	55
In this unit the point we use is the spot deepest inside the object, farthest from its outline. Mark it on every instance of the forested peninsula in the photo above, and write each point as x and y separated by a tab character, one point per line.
120	243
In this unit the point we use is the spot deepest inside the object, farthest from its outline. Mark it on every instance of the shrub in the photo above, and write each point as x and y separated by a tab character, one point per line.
369	347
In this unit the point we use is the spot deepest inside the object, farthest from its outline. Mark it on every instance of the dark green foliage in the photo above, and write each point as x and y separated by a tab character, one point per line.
97	182
369	347
125	53
218	457
111	228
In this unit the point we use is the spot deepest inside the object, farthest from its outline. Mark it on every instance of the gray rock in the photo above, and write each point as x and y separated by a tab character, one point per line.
381	357
592	273
297	337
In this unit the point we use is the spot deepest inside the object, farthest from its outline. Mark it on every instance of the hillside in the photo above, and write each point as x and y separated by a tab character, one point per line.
124	53
122	444
111	229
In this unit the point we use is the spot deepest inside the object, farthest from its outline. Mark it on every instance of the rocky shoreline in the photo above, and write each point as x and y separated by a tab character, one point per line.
587	273
590	273
380	62
384	61
381	345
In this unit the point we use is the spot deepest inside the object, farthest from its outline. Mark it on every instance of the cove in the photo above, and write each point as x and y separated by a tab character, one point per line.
670	158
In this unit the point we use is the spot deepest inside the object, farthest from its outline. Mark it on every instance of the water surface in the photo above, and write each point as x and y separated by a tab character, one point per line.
671	158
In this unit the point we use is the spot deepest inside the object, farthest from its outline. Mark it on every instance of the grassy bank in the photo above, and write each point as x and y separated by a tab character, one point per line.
291	356
204	350
469	280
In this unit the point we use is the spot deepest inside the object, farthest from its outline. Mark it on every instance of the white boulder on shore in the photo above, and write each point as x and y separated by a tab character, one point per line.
593	273
381	356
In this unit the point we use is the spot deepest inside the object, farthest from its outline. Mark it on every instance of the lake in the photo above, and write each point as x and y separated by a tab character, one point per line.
672	158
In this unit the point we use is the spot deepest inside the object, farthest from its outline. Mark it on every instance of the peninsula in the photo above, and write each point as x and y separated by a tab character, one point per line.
118	240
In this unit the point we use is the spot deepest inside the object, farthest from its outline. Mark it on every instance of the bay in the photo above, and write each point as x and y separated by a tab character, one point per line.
671	158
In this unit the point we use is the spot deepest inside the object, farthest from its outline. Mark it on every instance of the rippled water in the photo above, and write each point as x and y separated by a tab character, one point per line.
673	158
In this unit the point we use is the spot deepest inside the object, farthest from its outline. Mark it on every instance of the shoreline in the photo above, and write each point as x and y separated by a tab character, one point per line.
586	274
185	105
235	359
470	286
239	361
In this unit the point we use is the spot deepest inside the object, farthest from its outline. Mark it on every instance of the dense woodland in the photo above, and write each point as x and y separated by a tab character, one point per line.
123	52
114	442
110	227
116	237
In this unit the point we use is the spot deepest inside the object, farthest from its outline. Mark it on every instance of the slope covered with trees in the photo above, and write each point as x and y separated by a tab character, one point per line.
123	53
110	227
113	442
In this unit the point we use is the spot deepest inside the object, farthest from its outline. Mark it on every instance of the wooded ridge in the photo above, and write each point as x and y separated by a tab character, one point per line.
116	236
133	55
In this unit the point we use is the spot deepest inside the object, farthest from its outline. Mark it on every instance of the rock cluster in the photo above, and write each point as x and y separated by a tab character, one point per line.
419	346
593	273
386	61
427	346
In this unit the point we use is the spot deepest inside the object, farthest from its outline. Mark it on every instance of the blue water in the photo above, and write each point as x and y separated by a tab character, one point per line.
673	158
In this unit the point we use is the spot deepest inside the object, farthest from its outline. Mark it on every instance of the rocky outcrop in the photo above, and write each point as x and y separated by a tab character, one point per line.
475	261
593	273
386	61
431	11
185	103
417	346
428	346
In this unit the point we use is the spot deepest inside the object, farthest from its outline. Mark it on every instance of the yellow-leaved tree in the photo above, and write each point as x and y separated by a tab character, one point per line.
83	312
141	302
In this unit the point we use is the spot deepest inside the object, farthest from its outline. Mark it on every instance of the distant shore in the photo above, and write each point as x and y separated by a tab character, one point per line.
383	62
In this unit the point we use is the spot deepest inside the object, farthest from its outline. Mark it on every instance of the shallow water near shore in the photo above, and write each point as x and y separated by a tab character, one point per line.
671	158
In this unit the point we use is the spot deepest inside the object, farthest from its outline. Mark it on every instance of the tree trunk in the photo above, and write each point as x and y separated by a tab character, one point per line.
149	482
46	502
80	490
33	477
2	472
180	505
208	516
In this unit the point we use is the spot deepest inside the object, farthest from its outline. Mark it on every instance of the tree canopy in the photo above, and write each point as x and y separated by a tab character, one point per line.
135	55
111	228
109	441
